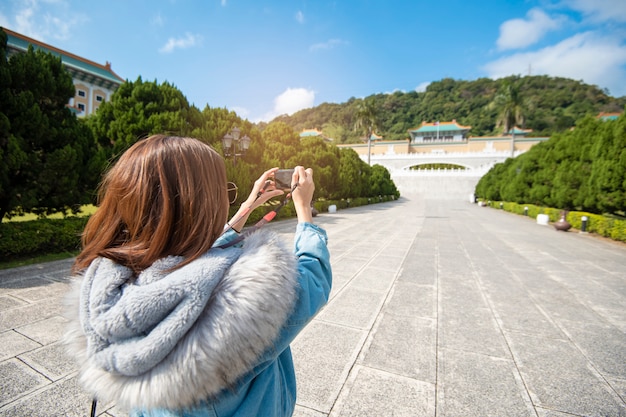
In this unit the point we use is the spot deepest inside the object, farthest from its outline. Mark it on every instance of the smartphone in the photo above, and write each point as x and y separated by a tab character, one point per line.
282	179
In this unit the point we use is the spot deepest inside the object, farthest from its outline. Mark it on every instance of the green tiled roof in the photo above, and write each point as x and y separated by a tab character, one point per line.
307	133
519	131
442	127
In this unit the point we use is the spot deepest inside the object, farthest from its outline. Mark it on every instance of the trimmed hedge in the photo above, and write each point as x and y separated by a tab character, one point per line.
602	225
20	240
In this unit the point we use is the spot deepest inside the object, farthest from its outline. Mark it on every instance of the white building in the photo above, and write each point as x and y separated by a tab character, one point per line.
94	82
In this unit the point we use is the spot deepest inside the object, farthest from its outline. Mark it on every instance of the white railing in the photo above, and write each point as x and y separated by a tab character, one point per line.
439	172
442	155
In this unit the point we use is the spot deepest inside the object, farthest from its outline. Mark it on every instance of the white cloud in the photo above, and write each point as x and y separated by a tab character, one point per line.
289	102
585	56
44	19
185	42
328	45
300	17
520	33
600	10
422	87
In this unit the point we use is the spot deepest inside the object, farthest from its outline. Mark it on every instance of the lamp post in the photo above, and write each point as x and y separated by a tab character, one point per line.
231	143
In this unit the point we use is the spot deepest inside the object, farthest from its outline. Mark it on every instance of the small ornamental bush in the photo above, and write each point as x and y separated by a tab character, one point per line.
606	226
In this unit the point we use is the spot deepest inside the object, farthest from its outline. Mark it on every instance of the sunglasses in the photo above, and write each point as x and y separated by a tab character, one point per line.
231	187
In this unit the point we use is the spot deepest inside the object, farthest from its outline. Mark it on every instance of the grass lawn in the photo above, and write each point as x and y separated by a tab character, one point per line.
86	210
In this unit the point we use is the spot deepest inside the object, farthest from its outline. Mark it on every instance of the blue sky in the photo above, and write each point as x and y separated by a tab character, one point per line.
266	58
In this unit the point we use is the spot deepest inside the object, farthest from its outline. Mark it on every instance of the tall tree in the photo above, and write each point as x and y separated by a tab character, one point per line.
366	122
353	174
47	153
139	109
511	107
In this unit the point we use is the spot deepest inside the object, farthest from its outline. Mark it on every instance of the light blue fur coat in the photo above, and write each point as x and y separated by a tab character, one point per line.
172	339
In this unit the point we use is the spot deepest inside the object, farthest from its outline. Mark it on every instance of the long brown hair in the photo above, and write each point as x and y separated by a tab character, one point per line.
165	196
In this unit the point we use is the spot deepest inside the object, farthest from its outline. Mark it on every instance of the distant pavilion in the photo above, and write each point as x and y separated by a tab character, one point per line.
314	133
604	116
439	132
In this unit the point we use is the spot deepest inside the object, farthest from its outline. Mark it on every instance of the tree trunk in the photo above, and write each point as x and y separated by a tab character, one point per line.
369	146
513	143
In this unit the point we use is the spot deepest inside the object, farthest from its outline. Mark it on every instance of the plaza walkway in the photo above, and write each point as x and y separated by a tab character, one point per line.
439	308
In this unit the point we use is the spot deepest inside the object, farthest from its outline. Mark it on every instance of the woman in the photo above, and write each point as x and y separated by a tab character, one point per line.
168	319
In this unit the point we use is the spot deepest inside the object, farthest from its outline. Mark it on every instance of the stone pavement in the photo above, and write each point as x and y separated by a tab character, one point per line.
439	308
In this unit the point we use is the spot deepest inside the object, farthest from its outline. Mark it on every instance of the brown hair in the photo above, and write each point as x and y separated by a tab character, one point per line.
165	196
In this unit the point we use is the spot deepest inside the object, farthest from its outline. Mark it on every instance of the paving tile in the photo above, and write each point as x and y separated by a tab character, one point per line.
374	278
471	385
412	300
46	290
387	262
18	379
354	307
471	329
52	361
323	355
45	402
307	412
46	331
602	345
20	283
560	378
404	345
7	302
13	344
29	313
372	392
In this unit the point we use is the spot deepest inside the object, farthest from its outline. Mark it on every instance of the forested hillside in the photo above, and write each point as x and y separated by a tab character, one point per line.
551	104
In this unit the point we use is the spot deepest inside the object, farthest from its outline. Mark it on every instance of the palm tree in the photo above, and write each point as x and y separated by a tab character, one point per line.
366	122
511	107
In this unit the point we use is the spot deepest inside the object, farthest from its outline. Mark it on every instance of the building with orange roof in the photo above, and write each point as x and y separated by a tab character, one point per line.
94	83
374	136
608	116
307	133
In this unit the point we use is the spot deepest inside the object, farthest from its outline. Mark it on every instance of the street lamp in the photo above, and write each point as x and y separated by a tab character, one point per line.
231	143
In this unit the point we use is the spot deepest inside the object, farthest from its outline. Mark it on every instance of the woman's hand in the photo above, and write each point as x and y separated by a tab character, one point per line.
262	191
303	194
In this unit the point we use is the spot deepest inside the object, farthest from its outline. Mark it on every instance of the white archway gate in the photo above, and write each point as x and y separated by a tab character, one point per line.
456	184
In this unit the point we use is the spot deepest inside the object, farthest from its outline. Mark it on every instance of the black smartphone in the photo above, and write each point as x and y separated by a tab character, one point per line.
282	179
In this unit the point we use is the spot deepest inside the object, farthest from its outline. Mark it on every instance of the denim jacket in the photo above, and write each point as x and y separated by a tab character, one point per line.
269	388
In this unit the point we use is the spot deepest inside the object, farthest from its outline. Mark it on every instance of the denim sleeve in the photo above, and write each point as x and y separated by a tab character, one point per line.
225	237
315	280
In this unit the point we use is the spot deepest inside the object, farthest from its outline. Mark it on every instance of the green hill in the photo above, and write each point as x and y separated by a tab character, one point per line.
553	104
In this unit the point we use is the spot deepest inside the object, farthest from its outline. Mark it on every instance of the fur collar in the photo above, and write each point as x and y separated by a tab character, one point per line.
173	339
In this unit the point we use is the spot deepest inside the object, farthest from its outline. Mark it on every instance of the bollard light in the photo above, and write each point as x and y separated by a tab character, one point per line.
525	211
583	227
501	206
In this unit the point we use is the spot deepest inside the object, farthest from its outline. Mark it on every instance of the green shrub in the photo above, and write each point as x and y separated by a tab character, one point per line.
602	225
38	237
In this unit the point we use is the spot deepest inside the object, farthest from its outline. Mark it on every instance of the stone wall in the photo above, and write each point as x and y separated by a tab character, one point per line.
436	187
